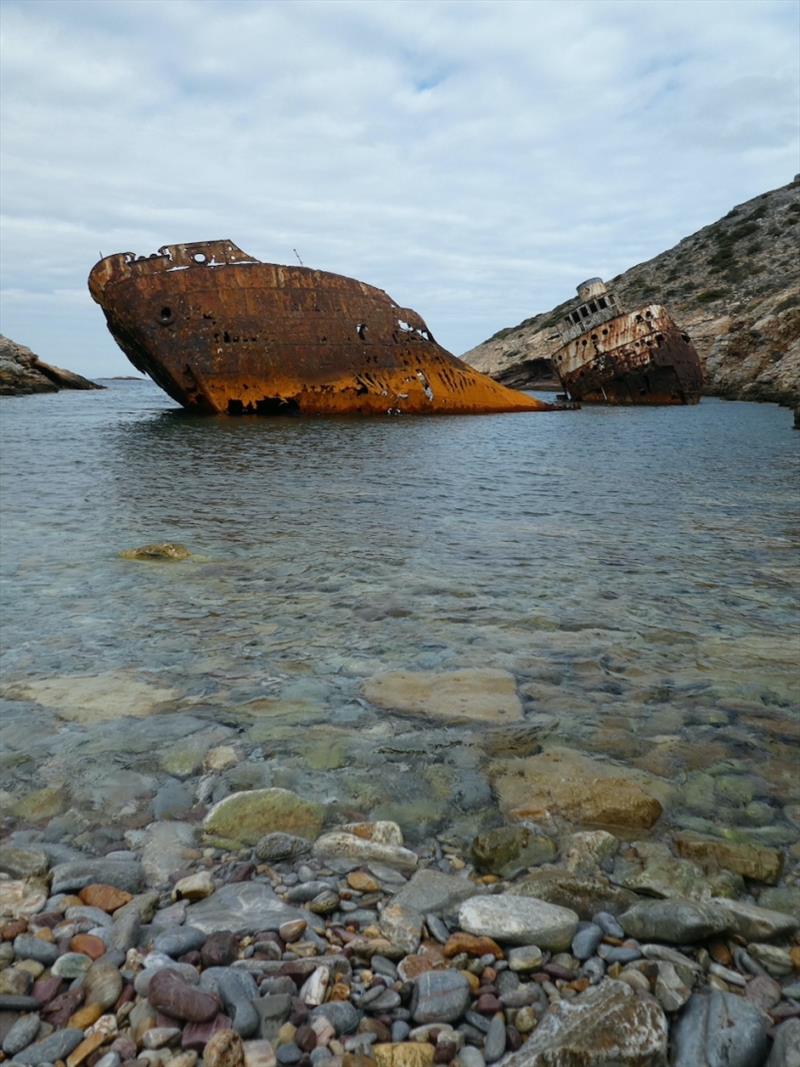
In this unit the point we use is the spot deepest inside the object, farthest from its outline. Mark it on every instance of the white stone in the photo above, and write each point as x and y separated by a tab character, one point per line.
339	845
313	990
194	886
519	920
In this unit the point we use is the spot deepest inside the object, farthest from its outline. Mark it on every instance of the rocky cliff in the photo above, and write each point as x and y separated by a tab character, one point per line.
734	286
23	372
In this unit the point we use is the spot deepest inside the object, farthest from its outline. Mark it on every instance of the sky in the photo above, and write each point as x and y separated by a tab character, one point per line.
474	159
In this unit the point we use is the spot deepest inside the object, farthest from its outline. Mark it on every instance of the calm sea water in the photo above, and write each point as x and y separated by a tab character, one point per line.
636	570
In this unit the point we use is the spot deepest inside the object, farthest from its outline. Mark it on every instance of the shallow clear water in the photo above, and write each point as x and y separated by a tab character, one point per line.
636	570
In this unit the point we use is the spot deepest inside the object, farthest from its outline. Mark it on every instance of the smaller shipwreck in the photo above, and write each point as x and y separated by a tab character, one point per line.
611	356
224	333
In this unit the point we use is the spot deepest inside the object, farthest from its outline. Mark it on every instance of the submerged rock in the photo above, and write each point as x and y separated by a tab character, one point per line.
162	550
479	694
247	816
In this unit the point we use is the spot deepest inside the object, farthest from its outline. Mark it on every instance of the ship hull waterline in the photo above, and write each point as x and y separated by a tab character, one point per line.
223	333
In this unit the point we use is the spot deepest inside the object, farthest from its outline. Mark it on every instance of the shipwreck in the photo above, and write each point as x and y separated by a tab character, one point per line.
611	356
223	333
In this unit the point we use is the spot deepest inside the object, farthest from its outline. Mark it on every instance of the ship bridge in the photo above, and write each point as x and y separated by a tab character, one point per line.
597	305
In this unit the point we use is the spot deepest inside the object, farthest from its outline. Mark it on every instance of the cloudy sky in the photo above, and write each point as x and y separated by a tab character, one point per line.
474	159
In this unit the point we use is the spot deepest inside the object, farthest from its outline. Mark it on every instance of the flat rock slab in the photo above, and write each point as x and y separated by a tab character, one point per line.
607	1026
470	695
433	891
246	907
77	874
247	816
754	922
719	1030
586	791
675	921
92	698
519	921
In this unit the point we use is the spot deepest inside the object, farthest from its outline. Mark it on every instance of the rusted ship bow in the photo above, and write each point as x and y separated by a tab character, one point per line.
610	356
222	332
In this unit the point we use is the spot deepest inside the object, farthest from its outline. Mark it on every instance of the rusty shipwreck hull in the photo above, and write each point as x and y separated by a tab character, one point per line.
638	357
223	333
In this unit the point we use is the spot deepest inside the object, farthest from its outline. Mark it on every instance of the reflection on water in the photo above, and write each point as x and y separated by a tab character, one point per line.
633	568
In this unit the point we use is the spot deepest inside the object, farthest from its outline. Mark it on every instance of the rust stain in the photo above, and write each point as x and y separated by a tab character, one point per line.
223	333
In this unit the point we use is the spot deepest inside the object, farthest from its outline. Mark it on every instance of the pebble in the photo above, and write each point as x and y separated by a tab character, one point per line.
224	1049
26	946
519	920
21	1034
170	994
469	1056
179	941
495	1044
608	924
71	965
57	1046
587	937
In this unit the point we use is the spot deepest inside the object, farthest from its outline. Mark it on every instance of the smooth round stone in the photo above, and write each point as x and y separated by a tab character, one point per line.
141	982
525	958
26	946
219	949
103	983
437	928
506	981
305	891
71	965
387	1001
21	1034
95	916
320	1057
608	924
288	1054
764	992
439	997
400	1031
292	930
469	1056
495	1044
324	903
342	1016
586	940
526	1019
57	1046
180	941
619	953
380	965
111	1059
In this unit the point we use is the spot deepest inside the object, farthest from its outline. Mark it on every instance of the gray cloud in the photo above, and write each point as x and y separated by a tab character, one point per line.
474	159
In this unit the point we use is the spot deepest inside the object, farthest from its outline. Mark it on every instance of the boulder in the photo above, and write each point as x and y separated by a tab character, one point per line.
246	817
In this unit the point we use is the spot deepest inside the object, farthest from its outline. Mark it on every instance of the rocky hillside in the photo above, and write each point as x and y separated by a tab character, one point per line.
734	286
23	372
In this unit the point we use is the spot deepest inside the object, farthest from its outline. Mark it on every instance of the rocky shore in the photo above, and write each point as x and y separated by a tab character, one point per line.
262	938
22	373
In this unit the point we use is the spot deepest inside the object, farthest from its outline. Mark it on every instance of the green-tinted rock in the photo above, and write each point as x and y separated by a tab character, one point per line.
246	817
165	550
586	895
326	756
507	850
735	789
41	804
750	861
785	898
185	759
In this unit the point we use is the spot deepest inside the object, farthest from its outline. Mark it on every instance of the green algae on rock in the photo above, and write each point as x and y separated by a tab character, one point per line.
164	550
245	817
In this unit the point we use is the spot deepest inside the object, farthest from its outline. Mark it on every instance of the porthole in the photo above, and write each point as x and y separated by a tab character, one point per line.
199	257
165	316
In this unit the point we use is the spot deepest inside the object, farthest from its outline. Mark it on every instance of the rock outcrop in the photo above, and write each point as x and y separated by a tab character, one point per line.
734	286
22	372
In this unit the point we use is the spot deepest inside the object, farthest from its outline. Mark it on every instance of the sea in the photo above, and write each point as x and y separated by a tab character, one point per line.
635	570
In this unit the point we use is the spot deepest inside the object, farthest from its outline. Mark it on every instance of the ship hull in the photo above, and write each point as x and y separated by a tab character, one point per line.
638	357
223	333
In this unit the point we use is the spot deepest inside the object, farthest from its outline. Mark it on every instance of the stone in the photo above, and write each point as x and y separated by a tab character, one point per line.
402	926
273	1011
178	941
221	758
430	891
171	995
674	921
22	897
91	1043
278	847
584	894
256	1054
786	1046
246	816
587	850
245	907
21	1034
238	992
224	1049
77	874
495	1044
342	1016
403	1054
776	960
525	958
519	920
469	695
342	845
23	862
57	1046
162	550
105	897
167	847
507	850
650	868
471	945
96	698
586	939
26	946
439	997
160	1036
88	945
103	983
219	949
195	886
753	922
71	965
586	791
196	1036
719	1030
764	992
670	989
750	861
606	1026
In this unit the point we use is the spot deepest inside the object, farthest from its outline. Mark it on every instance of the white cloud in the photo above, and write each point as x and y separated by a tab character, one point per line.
474	159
